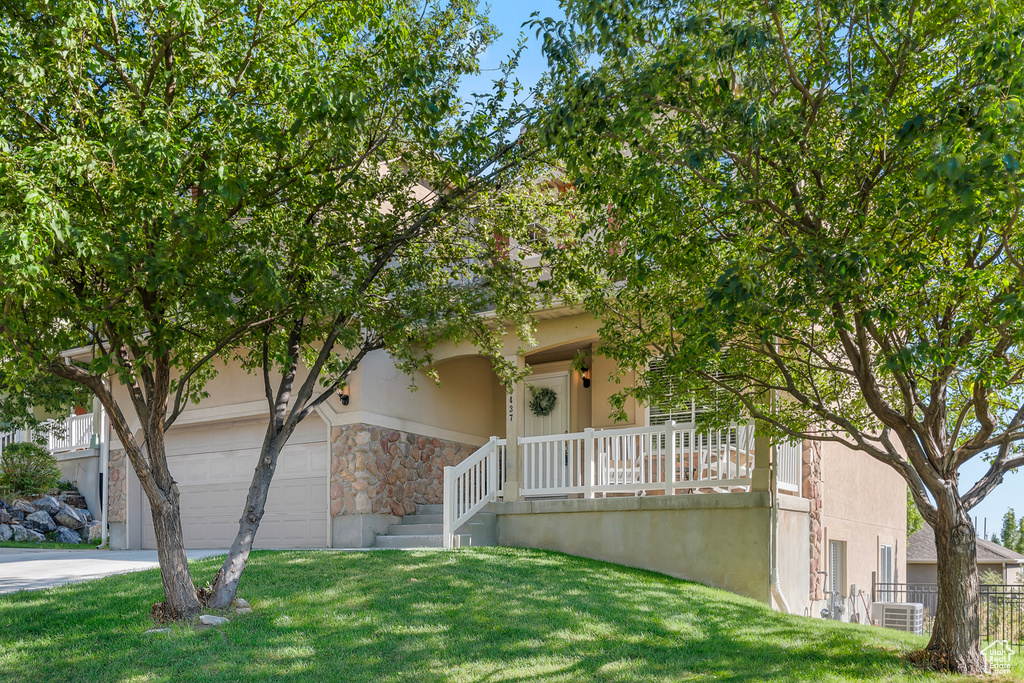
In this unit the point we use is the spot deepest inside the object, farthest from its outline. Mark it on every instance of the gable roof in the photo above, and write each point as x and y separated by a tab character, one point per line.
921	548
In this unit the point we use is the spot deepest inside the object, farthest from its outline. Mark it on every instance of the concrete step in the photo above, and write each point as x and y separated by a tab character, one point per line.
423	519
435	509
414	529
420	541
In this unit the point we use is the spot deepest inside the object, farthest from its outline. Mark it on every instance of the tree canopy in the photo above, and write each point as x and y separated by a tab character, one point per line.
810	210
284	182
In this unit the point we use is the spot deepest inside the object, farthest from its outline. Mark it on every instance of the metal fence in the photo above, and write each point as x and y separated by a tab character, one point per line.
1002	607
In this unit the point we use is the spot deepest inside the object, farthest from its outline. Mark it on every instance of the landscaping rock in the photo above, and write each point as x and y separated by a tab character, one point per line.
211	620
88	515
22	533
40	521
66	535
48	504
70	517
92	532
239	602
6	532
5	517
18	515
74	499
159	630
243	610
23	506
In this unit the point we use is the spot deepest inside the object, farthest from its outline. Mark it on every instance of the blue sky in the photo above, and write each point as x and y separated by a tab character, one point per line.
509	17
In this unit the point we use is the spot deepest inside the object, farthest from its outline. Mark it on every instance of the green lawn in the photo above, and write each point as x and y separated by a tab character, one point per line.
492	614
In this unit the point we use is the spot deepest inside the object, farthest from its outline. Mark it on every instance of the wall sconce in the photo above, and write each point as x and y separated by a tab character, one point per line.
343	394
585	374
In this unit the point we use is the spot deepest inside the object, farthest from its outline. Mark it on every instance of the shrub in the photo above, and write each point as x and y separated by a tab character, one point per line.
28	468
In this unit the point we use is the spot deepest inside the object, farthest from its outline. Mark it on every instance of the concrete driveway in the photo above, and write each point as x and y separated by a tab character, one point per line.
29	569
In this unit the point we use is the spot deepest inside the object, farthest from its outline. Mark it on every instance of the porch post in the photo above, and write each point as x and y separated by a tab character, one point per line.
514	427
761	481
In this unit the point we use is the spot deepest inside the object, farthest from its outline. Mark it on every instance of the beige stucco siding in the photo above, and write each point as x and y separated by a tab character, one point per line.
864	505
718	539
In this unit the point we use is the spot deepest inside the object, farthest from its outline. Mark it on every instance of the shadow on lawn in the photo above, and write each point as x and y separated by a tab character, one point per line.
473	615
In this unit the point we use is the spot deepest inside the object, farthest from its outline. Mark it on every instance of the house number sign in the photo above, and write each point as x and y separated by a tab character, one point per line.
511	408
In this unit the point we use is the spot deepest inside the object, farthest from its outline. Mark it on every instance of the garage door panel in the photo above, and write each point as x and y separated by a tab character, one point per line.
213	465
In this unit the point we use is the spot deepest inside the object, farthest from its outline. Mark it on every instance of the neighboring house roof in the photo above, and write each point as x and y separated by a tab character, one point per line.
921	549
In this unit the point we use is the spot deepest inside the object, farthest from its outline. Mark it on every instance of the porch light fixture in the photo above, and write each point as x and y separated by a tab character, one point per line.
343	394
585	374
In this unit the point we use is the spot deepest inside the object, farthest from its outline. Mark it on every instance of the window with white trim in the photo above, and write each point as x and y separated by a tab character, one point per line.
886	571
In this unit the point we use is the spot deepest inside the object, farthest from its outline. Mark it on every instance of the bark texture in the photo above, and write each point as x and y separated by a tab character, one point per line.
225	584
954	644
180	599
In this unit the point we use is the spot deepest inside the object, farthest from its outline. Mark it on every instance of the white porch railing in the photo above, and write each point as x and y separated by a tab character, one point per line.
75	434
471	485
661	458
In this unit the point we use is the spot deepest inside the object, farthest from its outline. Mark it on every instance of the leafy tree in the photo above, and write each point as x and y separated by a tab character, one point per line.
1009	536
180	180
812	208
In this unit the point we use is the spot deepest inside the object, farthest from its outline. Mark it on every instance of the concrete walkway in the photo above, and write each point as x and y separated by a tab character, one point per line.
29	569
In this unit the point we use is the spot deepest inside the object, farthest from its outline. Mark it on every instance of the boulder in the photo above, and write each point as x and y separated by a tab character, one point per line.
5	517
211	620
48	504
74	499
22	533
70	517
6	532
18	515
66	535
92	532
88	515
40	521
23	506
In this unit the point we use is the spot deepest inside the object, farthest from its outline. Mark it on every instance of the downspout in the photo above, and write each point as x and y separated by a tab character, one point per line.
776	587
105	470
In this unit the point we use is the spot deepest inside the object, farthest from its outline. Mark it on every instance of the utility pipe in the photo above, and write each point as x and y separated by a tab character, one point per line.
776	587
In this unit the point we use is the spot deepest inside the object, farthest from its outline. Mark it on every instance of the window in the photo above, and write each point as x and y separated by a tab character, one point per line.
886	569
675	406
837	568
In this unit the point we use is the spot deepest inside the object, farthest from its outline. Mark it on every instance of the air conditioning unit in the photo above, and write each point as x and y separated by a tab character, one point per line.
902	616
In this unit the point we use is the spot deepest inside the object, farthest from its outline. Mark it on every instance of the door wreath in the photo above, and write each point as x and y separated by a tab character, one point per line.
542	400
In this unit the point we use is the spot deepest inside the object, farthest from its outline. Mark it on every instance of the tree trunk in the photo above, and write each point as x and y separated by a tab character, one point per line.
180	599
225	584
955	642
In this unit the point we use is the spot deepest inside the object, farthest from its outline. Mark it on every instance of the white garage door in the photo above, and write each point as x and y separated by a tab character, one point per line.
213	465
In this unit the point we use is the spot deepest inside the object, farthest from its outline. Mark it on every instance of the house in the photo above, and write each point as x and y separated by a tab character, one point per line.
653	491
992	557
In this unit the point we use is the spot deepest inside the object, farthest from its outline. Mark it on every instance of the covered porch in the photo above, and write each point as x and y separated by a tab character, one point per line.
660	460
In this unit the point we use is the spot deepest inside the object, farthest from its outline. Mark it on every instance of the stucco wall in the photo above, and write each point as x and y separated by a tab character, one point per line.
82	468
466	400
864	505
718	539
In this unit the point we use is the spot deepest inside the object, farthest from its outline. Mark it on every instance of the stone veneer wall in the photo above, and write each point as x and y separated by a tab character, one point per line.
375	470
117	485
812	490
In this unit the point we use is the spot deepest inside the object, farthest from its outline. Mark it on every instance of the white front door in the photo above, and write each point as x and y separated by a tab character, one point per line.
557	421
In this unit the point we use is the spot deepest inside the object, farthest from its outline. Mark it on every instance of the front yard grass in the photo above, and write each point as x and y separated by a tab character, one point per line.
491	614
